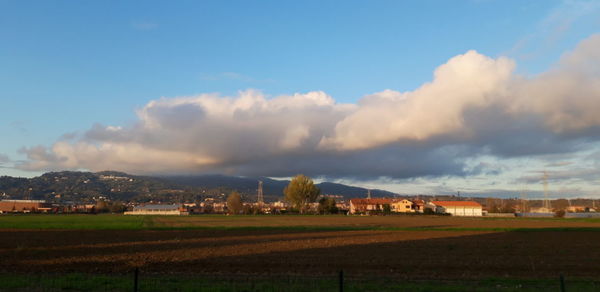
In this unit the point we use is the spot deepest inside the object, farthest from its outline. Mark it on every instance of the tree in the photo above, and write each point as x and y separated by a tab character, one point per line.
102	206
301	191
234	203
117	207
387	209
327	206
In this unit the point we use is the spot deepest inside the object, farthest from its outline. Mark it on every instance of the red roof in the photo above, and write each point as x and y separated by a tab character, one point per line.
378	201
457	203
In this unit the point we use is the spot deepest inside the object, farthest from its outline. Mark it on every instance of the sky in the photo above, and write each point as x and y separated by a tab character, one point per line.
429	97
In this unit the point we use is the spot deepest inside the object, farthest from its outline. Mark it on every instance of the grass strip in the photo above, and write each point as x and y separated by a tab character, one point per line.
120	222
87	282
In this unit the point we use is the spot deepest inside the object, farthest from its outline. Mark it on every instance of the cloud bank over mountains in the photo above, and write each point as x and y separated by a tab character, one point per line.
474	106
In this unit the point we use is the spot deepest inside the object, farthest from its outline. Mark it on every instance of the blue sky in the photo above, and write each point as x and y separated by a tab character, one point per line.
66	66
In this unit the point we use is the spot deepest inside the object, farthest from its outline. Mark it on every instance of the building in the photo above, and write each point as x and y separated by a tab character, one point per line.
158	209
24	206
577	209
541	210
402	206
418	205
358	206
83	208
343	206
456	208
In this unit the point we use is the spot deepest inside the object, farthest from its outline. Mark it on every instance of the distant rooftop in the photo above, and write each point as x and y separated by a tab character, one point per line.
156	207
24	201
456	203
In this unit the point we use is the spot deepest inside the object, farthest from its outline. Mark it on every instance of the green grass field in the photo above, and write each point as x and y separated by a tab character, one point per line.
61	221
292	222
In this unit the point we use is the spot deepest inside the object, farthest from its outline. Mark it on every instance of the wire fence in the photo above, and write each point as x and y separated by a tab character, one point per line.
137	281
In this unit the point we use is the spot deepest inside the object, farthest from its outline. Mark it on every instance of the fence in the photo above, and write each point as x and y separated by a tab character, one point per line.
137	281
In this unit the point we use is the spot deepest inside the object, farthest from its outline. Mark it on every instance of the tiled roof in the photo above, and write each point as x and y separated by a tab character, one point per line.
376	201
456	203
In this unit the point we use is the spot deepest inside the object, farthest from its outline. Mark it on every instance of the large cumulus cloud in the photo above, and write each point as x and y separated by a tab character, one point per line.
475	105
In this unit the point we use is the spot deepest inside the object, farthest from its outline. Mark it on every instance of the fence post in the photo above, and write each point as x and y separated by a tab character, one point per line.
341	279
562	283
135	279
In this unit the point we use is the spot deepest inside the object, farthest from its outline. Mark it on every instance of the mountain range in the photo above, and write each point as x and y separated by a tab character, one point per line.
113	185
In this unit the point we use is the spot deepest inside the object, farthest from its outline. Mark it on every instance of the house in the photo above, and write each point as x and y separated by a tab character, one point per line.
402	206
418	205
456	208
379	205
368	205
158	209
342	206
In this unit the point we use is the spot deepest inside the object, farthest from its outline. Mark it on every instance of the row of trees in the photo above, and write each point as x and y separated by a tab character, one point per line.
299	193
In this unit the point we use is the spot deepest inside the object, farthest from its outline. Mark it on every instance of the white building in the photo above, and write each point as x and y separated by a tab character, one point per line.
155	209
456	208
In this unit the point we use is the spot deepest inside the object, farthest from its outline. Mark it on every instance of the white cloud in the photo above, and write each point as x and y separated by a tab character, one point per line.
565	98
475	106
436	108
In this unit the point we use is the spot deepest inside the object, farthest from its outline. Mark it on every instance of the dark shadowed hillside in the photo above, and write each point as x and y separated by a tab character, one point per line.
112	185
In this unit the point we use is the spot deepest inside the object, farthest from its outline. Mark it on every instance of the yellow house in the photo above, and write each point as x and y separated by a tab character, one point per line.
402	206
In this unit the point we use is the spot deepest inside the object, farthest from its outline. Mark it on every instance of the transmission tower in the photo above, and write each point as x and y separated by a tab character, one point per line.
260	198
546	200
524	206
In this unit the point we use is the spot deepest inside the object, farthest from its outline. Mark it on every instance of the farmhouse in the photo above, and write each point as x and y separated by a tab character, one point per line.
379	205
456	208
24	206
156	209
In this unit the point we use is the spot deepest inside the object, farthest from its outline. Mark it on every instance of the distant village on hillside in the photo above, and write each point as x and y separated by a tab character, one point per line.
116	192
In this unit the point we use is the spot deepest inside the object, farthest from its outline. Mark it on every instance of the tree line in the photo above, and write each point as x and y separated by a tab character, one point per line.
299	193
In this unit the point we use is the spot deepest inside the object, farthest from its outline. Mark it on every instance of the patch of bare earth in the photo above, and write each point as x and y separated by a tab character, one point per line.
414	254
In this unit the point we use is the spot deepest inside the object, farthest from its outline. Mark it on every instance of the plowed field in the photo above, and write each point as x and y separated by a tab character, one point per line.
429	247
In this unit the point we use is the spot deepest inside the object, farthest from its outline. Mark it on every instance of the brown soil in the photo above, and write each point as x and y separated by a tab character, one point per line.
414	254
